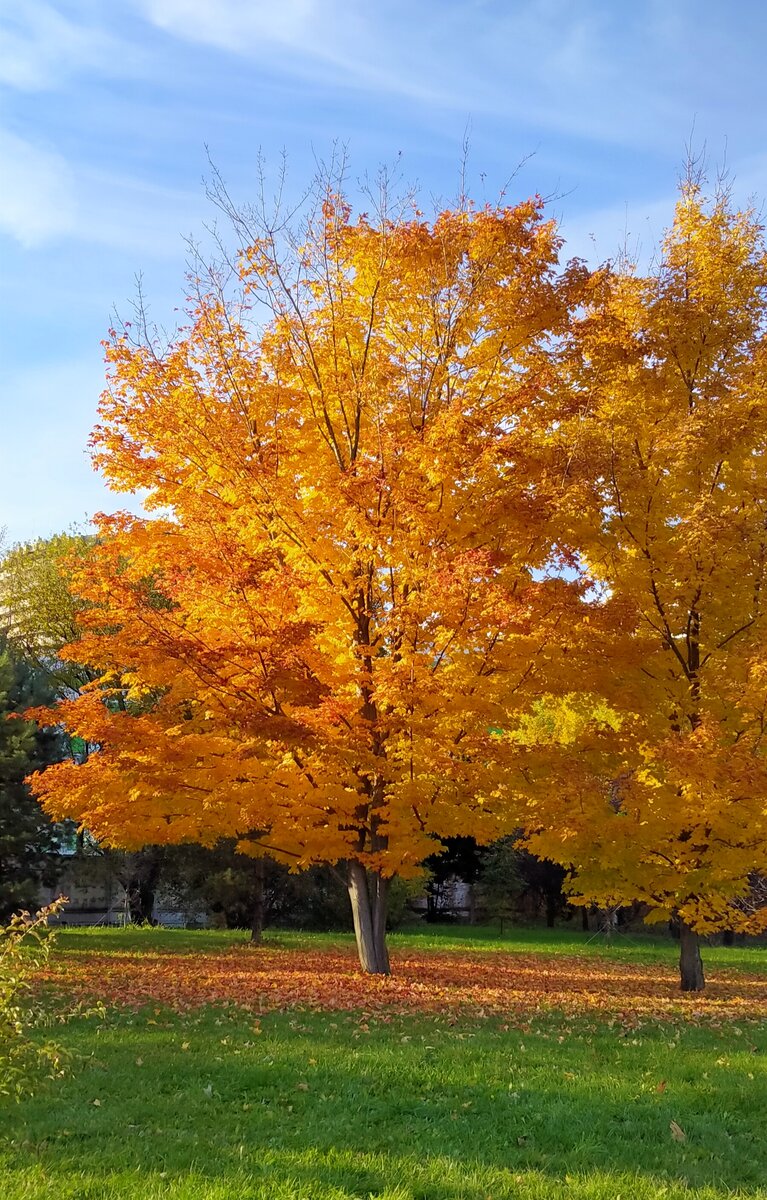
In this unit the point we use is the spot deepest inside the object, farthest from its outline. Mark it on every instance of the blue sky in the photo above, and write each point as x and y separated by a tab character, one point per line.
106	107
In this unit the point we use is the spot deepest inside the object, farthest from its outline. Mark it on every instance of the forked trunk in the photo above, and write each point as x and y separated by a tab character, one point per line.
690	962
368	892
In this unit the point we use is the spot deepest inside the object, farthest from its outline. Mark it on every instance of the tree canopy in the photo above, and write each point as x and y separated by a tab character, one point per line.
38	606
450	540
662	800
27	838
346	592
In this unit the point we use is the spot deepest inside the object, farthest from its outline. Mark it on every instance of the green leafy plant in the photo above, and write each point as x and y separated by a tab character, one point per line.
25	943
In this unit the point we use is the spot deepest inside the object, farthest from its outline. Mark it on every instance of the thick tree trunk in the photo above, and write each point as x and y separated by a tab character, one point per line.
257	917
690	962
585	920
368	892
728	937
551	911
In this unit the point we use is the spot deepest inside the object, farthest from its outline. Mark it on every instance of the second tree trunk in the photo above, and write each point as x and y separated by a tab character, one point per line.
690	962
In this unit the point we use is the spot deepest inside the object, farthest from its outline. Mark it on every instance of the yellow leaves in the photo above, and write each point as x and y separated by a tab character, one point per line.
459	542
648	778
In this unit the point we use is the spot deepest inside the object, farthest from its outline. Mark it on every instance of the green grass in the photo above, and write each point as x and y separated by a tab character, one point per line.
217	1106
314	1107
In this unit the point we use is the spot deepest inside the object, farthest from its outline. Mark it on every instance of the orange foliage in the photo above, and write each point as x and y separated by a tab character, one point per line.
475	985
319	639
350	630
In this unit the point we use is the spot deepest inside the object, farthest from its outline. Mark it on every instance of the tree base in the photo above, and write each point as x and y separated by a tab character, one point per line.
691	974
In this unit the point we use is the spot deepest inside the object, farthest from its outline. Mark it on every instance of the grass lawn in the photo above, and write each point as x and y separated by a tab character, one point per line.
370	1095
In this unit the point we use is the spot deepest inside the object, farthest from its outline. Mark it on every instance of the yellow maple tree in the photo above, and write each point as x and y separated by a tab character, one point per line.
663	798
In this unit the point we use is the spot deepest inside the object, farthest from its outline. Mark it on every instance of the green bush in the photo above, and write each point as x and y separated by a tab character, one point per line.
25	944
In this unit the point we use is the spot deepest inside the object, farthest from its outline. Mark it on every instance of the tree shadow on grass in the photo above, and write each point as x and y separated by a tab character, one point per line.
313	1108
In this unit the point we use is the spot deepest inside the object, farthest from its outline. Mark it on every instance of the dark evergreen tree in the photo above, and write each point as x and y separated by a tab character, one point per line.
27	838
543	883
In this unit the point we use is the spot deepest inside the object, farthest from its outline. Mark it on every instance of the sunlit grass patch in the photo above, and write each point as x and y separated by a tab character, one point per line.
219	1103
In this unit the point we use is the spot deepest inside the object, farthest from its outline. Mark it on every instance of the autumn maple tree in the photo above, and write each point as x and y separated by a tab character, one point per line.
349	586
650	780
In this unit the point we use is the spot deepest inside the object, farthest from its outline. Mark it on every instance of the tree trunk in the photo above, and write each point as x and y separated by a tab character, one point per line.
585	920
141	886
140	901
551	910
257	917
368	892
728	937
690	963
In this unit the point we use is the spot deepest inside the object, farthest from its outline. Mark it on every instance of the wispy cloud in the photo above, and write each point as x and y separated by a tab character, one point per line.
37	196
44	198
575	68
327	30
39	45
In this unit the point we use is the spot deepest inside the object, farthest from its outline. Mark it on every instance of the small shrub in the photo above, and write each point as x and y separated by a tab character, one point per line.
25	943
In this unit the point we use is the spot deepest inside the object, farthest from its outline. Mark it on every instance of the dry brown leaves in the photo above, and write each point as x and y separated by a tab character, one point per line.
451	984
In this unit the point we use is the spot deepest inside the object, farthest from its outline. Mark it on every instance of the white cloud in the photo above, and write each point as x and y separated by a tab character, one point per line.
234	25
610	73
337	41
44	198
39	45
37	194
543	62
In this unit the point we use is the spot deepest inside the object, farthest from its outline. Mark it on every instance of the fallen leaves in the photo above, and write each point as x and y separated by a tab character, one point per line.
677	1133
484	985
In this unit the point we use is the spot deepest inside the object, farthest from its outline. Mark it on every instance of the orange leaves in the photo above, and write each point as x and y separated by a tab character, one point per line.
338	601
479	986
458	542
